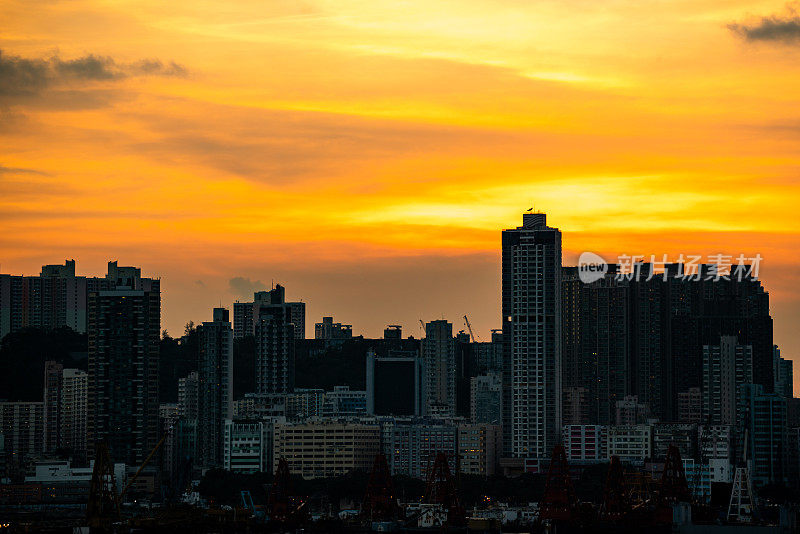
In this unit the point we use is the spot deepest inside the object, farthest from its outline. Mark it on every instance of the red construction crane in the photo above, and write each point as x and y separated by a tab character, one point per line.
559	499
441	489
380	501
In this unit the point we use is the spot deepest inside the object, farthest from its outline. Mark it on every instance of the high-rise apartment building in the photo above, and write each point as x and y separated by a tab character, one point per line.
275	333
439	369
124	327
531	308
727	366
245	314
74	410
595	342
215	387
487	399
22	428
51	300
690	406
675	313
328	330
53	372
782	374
762	421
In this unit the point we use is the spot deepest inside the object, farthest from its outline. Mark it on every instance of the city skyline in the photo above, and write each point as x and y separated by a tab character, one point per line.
375	324
359	149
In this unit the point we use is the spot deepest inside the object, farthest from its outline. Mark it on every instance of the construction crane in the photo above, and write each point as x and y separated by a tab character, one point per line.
741	507
469	327
146	461
422	326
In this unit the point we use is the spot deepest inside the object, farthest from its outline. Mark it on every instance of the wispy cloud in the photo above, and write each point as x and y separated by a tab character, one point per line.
21	76
20	170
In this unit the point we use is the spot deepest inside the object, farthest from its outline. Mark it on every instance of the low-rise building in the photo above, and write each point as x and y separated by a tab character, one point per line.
256	406
479	448
584	442
320	449
682	435
631	443
344	402
415	446
63	483
247	446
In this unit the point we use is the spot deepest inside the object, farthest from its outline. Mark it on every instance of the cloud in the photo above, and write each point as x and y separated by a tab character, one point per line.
20	170
783	28
244	287
31	76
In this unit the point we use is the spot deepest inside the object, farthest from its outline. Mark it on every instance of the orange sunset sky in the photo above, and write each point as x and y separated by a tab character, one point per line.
366	154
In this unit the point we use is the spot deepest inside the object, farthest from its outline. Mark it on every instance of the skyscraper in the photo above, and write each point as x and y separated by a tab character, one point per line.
215	396
439	368
124	325
531	307
275	333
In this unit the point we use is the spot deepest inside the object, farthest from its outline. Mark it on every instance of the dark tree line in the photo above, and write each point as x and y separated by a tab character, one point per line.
22	357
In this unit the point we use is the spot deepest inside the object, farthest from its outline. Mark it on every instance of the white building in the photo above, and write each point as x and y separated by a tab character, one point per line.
247	446
631	443
531	310
585	442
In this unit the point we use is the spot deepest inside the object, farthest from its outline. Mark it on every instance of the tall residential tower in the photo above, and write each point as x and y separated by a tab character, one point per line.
531	306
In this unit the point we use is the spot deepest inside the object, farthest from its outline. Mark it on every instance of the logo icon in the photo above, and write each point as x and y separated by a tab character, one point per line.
591	267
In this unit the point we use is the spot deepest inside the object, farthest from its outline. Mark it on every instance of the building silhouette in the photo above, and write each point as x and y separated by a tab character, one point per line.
439	369
124	327
275	334
215	387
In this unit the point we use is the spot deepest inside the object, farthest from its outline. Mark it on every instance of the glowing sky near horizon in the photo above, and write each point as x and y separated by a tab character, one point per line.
366	154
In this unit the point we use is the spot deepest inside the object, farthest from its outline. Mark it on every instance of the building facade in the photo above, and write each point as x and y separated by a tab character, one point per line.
326	449
727	366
